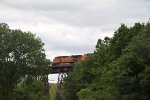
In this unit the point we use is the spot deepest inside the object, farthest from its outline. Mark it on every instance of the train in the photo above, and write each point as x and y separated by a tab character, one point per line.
68	60
64	64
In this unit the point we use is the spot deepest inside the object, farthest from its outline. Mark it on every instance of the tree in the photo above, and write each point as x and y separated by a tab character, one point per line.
78	79
120	66
125	77
130	71
32	90
21	54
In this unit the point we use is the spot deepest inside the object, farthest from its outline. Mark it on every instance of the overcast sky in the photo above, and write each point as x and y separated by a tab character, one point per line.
69	27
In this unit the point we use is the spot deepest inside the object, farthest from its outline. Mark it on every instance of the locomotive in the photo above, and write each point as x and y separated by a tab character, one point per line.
62	61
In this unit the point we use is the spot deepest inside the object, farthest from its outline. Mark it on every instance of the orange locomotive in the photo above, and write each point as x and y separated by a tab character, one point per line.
69	59
66	63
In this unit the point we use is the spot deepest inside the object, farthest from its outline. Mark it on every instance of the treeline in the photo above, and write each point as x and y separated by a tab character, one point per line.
119	68
24	68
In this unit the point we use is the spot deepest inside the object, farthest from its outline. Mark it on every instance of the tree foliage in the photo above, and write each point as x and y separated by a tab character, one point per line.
21	55
118	69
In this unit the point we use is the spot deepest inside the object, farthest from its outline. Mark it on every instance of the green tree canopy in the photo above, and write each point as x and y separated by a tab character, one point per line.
21	54
119	67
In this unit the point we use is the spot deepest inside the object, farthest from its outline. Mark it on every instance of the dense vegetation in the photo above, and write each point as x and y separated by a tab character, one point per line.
53	90
24	68
119	68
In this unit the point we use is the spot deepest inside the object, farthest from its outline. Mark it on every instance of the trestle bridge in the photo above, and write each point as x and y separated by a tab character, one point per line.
63	65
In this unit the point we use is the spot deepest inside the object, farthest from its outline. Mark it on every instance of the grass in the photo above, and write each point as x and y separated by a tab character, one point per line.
52	90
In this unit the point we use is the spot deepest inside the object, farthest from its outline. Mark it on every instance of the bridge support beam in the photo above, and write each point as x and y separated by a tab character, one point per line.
61	77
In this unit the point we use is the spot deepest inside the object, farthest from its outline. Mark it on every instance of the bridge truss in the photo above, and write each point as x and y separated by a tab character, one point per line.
62	70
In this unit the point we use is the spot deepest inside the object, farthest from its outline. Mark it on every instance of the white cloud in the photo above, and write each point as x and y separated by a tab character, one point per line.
72	27
62	39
